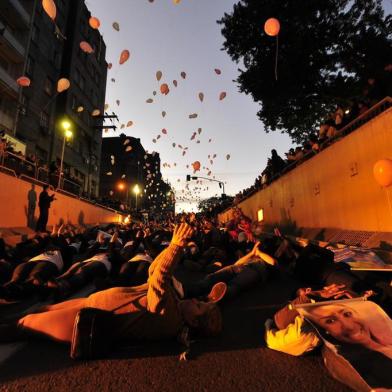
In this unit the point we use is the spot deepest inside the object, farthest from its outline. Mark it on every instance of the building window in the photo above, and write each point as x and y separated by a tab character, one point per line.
4	64
24	103
74	103
30	66
82	82
35	34
56	59
44	120
48	86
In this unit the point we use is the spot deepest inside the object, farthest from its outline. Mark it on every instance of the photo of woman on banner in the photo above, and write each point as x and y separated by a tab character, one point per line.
360	332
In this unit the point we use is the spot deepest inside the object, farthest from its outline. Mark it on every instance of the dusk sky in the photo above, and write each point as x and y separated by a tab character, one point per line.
175	38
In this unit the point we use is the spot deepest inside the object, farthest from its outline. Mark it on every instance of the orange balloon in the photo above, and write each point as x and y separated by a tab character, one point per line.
50	8
164	89
23	81
196	166
124	56
86	47
62	85
272	27
382	172
94	23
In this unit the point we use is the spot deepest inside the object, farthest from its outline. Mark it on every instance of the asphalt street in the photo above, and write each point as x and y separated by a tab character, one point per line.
236	361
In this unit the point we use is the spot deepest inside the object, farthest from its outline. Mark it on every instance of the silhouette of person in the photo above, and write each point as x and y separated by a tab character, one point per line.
44	204
32	203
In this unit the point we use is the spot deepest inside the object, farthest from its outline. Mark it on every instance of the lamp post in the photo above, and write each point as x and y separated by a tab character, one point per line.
136	191
67	135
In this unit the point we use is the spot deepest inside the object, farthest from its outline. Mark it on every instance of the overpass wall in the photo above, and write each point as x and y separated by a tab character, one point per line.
16	195
335	188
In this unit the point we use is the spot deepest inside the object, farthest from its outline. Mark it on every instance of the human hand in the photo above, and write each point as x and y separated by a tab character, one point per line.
255	250
181	233
333	291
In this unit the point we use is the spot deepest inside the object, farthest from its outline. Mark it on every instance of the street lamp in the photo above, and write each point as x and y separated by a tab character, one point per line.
136	191
66	125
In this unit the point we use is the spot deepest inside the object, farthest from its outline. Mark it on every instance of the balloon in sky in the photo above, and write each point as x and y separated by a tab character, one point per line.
129	148
382	172
163	114
62	85
199	131
118	102
116	26
109	173
126	141
149	100
50	8
80	109
193	115
86	47
174	144
201	97
94	23
23	81
164	89
228	156
217	71
183	75
222	95
176	1
164	131
158	75
196	166
106	107
272	27
129	123
124	56
175	83
96	112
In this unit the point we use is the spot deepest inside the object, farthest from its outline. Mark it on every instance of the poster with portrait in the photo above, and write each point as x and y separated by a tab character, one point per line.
359	334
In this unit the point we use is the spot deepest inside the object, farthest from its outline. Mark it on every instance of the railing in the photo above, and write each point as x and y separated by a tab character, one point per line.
362	119
19	164
25	170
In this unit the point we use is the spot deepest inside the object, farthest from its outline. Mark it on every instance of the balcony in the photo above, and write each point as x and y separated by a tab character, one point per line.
10	46
7	83
15	13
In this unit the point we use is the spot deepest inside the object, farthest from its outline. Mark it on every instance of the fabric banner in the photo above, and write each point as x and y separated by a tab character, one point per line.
358	341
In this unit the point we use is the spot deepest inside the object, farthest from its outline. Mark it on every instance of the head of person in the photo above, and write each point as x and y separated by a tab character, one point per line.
45	188
342	323
205	317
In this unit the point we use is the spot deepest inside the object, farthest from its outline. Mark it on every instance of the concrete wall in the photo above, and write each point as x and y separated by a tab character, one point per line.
335	188
14	202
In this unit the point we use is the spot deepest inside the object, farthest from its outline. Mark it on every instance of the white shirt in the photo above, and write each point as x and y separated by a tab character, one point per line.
54	256
101	258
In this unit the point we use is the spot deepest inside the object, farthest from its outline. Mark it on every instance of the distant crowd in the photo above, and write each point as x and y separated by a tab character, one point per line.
329	131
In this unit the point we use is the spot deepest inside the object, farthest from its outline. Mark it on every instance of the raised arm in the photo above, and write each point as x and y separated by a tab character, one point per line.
161	270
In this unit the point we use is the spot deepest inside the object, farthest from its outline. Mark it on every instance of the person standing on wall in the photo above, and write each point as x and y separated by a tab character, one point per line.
44	204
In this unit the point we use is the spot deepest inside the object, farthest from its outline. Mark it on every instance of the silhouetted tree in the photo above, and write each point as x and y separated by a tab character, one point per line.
327	50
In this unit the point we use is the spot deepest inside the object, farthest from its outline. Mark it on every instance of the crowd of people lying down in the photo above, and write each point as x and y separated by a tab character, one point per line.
135	295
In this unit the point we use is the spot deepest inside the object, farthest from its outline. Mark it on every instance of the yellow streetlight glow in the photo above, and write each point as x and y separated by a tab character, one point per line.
68	134
136	189
66	125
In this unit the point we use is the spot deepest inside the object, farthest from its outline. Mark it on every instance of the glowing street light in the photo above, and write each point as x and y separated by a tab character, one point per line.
136	191
66	125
